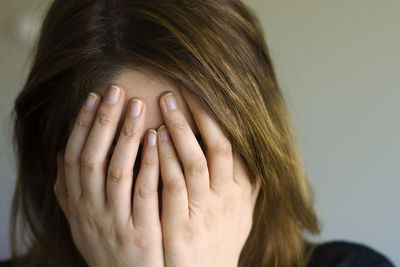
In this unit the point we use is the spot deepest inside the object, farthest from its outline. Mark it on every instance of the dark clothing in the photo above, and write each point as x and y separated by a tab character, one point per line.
340	253
334	254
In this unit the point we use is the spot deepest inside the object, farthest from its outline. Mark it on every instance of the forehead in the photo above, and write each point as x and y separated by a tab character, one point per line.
148	87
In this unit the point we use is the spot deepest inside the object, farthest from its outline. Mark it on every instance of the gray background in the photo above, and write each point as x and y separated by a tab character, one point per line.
338	64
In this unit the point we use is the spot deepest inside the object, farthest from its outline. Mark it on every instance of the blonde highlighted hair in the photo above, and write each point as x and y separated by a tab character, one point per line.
214	48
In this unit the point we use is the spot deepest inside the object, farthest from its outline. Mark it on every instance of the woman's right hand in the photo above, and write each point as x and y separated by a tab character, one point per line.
107	228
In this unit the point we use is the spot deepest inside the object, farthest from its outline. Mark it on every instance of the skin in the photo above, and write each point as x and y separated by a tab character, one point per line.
207	199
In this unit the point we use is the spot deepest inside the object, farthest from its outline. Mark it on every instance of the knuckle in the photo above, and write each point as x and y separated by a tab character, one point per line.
88	218
188	232
115	175
197	166
110	229
129	132
122	241
145	192
175	186
168	156
87	162
82	122
103	117
223	147
141	242
150	161
70	160
179	124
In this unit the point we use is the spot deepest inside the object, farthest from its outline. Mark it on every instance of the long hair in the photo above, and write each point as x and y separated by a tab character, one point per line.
215	49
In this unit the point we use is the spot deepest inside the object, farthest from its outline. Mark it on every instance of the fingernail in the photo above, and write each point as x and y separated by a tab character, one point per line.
136	107
171	101
90	101
163	132
113	95
152	138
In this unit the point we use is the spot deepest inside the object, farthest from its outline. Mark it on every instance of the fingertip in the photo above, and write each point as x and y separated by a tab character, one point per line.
151	139
163	133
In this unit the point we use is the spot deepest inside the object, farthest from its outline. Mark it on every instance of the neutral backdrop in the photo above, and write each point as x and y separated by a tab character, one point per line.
338	64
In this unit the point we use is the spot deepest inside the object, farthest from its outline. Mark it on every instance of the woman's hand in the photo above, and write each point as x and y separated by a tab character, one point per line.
207	207
107	228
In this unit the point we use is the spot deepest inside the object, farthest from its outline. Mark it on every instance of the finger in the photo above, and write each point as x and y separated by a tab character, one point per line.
145	198
189	150
60	187
95	152
218	147
120	170
75	145
174	194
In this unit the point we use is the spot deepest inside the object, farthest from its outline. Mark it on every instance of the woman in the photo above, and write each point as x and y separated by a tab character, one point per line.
96	118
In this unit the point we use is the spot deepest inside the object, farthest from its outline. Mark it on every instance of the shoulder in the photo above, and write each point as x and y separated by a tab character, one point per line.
5	263
345	254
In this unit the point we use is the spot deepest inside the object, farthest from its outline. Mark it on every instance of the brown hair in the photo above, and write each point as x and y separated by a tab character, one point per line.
216	50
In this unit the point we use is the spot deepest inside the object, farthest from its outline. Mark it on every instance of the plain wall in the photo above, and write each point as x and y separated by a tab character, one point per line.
338	65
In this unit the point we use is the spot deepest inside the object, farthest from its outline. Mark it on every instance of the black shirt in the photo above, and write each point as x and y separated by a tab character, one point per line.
340	253
335	253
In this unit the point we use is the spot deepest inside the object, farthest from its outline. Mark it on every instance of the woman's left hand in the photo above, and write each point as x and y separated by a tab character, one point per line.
207	207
